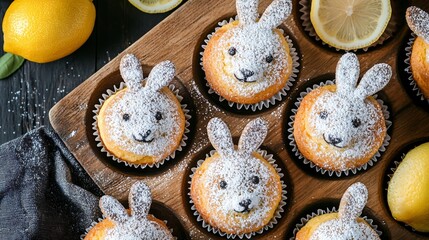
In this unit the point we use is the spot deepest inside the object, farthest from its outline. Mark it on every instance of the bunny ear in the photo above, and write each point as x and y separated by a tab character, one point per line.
353	202
252	136
247	11
131	71
220	136
113	209
418	21
160	76
374	80
140	199
276	13
347	73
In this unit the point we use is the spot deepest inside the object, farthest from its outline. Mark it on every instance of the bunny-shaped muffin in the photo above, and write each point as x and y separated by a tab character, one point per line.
142	124
346	224
236	190
133	224
248	61
340	127
418	21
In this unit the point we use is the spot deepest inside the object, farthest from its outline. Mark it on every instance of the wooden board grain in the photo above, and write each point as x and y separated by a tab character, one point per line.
178	38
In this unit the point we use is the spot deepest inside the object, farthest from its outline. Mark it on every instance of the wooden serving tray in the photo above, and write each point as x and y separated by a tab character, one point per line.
178	38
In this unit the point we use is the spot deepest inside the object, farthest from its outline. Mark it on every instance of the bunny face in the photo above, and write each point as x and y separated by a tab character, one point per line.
252	52
254	49
341	126
237	184
346	225
134	226
344	124
144	119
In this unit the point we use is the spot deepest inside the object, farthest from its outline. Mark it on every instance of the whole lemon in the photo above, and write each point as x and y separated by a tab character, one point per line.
46	30
408	191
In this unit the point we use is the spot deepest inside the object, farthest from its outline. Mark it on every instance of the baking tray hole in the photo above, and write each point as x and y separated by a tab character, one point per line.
302	11
397	157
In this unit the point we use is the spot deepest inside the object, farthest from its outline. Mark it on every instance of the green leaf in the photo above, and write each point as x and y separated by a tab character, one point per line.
9	63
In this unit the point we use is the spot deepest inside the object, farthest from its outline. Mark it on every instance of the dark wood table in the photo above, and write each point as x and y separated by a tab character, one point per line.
27	95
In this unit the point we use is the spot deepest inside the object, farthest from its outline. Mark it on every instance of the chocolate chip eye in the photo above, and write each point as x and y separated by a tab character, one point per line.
269	58
126	117
232	51
356	122
255	179
158	116
323	114
222	184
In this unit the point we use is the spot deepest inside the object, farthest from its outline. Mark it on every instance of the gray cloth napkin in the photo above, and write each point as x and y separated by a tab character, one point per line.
44	192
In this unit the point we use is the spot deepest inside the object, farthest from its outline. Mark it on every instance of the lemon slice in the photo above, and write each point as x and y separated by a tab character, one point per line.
350	24
155	6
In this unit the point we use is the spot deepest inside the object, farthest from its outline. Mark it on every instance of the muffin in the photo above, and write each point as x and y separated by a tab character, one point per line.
340	127
134	223
144	122
344	224
248	61
236	190
408	190
418	21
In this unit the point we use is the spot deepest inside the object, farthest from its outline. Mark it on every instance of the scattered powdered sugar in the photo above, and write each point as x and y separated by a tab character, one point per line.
347	225
418	21
135	226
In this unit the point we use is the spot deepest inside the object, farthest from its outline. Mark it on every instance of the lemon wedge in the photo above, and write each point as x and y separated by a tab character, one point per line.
155	6
350	24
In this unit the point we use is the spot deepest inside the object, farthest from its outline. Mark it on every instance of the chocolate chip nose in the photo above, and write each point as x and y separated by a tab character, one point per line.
144	137
245	203
246	73
334	140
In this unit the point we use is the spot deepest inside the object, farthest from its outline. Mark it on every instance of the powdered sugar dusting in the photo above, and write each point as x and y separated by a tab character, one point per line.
276	13
253	44
418	21
236	184
142	109
247	11
332	119
131	71
347	225
135	226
